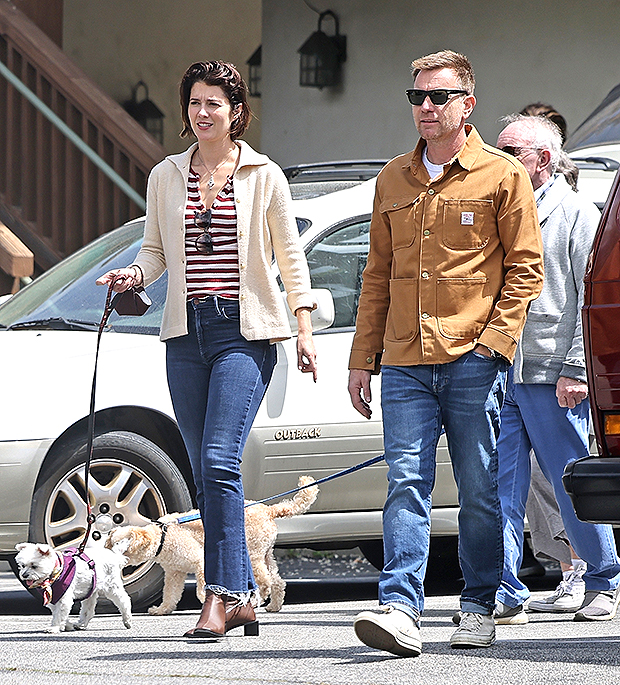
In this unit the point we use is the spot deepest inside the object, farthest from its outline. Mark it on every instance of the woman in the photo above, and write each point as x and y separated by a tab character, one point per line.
215	216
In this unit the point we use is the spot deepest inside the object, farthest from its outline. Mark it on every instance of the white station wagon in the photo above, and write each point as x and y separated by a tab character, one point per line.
140	468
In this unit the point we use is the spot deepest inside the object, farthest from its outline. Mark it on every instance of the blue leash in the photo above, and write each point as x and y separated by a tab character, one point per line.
352	469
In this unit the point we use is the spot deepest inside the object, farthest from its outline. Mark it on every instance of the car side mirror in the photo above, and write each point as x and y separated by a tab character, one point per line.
322	317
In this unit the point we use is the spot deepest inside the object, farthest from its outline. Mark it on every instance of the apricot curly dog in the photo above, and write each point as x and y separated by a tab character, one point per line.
179	548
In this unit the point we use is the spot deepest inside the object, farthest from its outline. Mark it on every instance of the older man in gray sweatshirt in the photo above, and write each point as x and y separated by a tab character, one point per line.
546	407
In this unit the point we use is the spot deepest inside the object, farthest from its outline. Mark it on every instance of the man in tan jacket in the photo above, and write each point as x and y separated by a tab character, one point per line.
455	258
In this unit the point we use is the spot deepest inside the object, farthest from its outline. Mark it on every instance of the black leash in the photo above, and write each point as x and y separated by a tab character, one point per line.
345	472
90	517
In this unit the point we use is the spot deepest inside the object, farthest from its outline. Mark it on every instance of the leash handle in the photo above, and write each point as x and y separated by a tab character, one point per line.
90	518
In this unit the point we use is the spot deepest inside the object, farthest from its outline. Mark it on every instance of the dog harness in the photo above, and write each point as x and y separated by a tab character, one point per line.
164	530
54	587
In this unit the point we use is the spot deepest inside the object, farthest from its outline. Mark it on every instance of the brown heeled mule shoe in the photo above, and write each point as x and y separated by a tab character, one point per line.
239	614
220	614
212	621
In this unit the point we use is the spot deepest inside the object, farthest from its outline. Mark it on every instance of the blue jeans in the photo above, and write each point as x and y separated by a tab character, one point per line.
465	396
533	419
217	380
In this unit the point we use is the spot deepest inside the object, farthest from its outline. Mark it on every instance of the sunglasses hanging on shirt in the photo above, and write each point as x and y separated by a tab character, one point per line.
204	242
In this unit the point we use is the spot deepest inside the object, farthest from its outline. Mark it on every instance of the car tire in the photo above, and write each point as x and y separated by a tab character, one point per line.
373	552
443	556
132	481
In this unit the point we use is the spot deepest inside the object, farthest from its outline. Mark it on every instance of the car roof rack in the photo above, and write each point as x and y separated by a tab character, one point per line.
604	163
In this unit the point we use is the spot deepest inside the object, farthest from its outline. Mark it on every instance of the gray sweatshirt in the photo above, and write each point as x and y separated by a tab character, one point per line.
552	344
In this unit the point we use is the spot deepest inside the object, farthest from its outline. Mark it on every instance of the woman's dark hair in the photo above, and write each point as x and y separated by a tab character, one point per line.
226	76
540	109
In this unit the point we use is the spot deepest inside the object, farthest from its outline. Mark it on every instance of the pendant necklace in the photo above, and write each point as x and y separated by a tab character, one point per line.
211	182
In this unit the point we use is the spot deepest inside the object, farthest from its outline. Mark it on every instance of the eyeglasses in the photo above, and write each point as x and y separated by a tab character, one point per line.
517	151
204	242
437	97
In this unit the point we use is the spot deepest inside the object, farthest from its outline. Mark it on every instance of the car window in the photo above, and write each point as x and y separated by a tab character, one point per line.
68	290
601	127
336	262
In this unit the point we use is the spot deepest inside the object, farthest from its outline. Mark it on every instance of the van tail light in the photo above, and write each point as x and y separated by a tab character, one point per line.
612	424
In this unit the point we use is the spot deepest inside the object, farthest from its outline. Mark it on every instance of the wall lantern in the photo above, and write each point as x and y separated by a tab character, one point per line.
321	56
255	63
146	112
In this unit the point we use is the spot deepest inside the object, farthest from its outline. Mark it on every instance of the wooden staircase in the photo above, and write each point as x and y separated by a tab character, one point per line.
58	193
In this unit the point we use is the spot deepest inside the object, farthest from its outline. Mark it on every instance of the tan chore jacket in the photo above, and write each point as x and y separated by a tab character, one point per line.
265	226
453	262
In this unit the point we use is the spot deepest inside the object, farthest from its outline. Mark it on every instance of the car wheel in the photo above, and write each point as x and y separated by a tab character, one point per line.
443	557
373	551
131	482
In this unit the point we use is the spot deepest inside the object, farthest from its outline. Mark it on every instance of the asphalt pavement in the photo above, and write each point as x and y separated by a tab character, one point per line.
310	641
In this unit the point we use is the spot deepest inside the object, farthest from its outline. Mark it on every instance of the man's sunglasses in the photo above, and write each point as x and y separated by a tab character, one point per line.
517	151
204	242
437	97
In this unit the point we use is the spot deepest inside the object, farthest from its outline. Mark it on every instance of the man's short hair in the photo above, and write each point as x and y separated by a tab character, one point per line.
447	59
545	135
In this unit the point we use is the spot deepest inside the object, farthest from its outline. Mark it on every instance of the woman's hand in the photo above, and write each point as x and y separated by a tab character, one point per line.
129	277
306	354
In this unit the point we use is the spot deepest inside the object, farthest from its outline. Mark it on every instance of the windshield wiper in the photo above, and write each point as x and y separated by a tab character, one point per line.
57	323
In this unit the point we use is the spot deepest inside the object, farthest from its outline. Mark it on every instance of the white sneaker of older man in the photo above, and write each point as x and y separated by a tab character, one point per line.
390	630
599	606
475	630
567	598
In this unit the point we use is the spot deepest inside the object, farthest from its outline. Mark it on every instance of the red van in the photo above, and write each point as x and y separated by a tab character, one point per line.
594	482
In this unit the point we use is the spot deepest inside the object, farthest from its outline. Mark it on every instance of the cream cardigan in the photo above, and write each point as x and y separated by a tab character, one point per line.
265	226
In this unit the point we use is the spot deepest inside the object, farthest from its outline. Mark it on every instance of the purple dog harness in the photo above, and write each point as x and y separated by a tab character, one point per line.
53	588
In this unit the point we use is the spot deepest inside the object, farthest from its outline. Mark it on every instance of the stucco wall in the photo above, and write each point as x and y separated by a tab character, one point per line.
120	42
565	52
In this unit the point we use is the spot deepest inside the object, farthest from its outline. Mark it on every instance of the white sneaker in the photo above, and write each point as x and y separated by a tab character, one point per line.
568	596
509	616
475	630
503	614
390	630
599	606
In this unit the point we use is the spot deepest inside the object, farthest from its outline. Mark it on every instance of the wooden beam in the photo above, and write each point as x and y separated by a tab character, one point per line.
15	258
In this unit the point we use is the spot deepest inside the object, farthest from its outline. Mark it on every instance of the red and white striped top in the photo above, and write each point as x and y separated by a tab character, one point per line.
216	273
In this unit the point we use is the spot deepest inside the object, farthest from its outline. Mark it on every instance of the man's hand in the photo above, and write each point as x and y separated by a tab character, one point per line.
483	350
570	392
359	389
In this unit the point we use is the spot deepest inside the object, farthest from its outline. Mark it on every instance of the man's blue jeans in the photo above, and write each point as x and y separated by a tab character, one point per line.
465	396
217	381
533	419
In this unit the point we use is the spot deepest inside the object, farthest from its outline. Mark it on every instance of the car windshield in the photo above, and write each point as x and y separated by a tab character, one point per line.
66	296
602	127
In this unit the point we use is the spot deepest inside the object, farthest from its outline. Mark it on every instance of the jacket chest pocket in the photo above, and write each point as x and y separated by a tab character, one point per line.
468	224
402	214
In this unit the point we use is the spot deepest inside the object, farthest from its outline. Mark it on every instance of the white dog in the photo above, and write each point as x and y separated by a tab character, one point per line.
65	577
